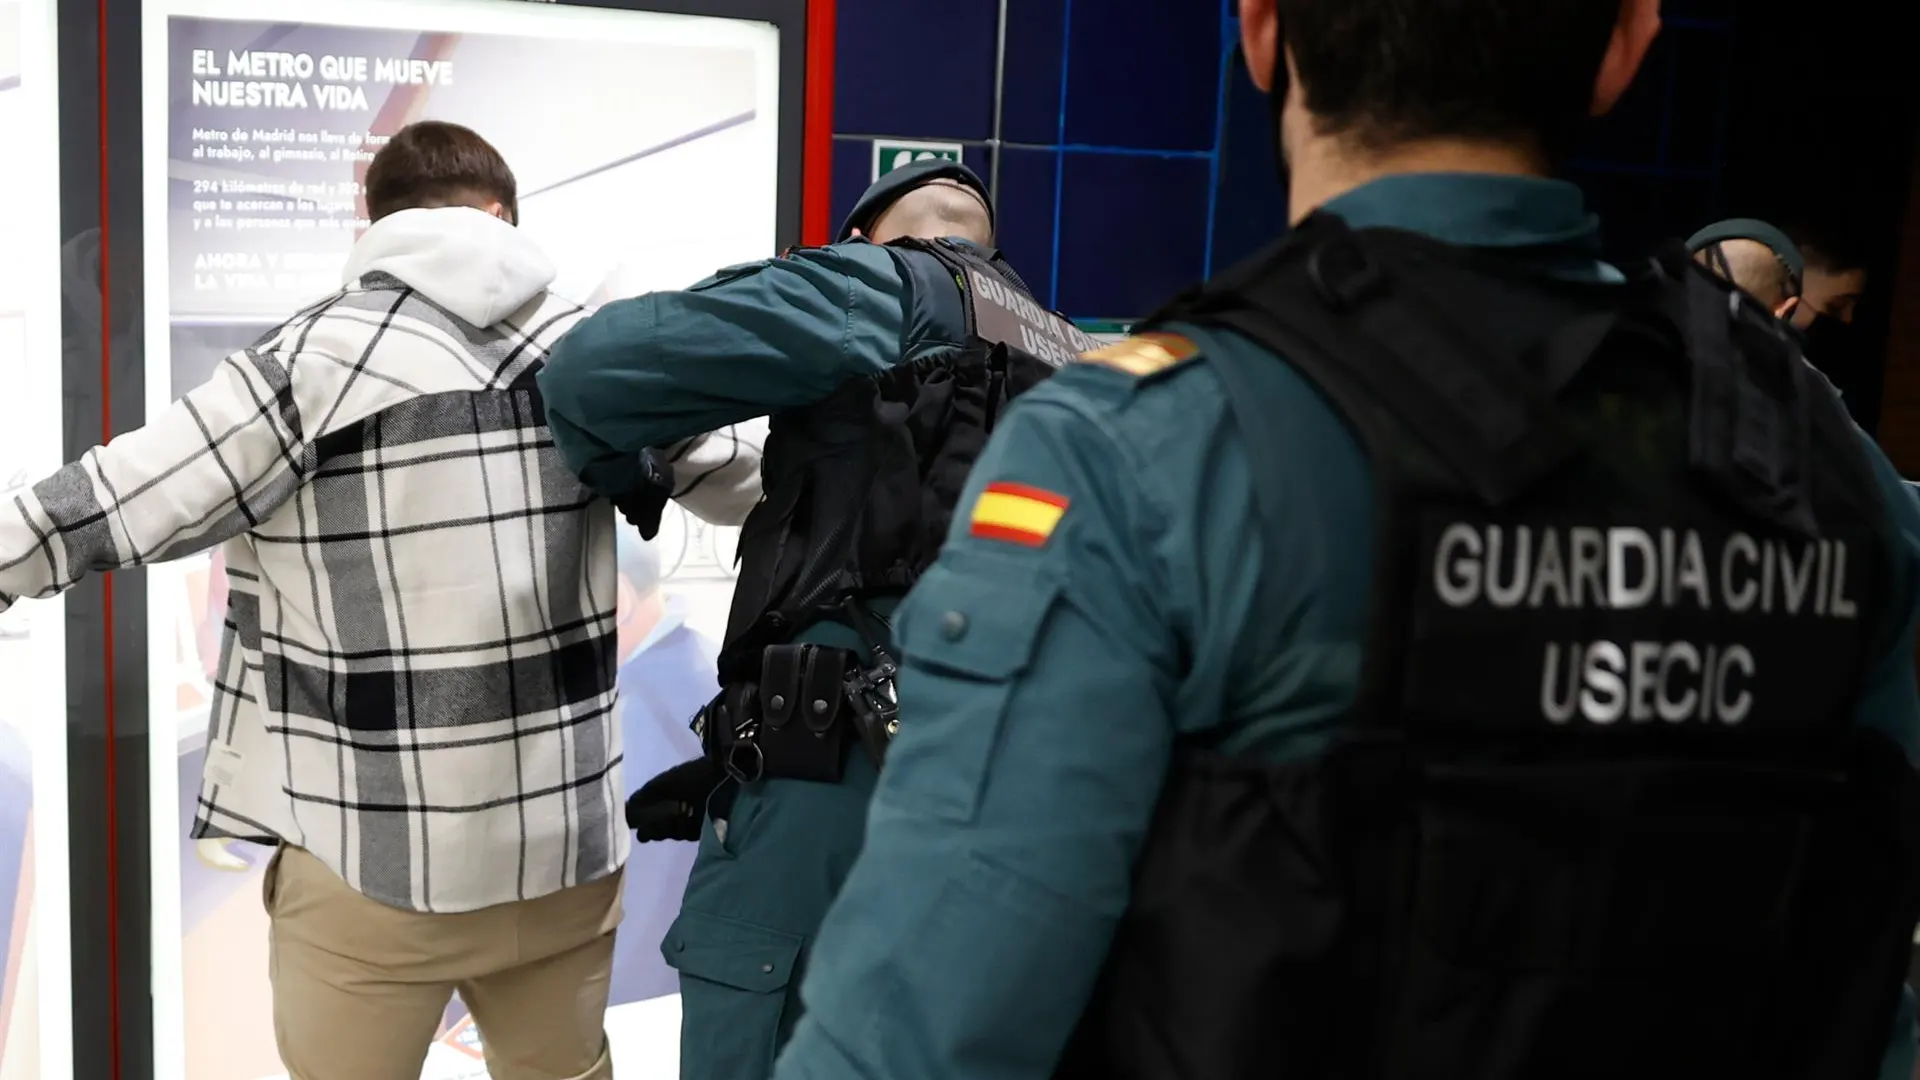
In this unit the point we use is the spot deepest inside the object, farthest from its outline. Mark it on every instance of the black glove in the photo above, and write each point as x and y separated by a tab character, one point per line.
643	505
670	806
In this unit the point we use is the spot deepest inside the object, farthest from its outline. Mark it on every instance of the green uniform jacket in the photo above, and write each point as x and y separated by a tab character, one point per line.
750	341
1045	685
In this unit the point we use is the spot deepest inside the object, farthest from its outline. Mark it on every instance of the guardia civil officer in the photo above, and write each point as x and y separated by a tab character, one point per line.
1427	653
883	359
1757	257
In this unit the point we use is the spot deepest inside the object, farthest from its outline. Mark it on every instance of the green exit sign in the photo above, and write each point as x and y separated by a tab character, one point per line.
889	155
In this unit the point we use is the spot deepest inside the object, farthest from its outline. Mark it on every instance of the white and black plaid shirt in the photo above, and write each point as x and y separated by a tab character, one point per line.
416	681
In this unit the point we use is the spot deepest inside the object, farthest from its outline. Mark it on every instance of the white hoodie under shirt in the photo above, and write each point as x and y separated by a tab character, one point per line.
416	680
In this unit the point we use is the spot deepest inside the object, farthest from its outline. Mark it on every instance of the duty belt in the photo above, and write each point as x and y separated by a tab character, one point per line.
794	722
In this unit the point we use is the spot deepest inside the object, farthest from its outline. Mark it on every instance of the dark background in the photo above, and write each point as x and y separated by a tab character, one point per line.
1138	158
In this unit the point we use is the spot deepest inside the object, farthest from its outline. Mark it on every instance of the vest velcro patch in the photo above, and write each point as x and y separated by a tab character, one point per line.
1017	514
1145	354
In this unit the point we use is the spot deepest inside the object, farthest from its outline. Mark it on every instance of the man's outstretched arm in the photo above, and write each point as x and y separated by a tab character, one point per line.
213	465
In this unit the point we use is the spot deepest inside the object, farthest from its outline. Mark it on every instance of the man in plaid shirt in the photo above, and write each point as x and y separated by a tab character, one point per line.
415	698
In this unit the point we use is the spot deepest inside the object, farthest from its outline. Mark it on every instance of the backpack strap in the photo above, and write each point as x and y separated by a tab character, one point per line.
1373	341
1409	383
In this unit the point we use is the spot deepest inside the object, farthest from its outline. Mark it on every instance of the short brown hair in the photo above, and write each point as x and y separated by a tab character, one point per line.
434	163
1384	72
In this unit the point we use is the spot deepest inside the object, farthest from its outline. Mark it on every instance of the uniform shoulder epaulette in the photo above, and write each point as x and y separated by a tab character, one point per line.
1144	354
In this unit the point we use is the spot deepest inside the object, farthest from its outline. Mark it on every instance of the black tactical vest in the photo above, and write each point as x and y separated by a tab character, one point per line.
1600	809
859	492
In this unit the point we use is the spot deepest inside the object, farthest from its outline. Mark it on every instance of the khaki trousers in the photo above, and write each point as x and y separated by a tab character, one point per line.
359	988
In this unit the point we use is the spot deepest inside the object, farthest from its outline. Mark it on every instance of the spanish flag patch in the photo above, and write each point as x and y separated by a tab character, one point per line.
1017	514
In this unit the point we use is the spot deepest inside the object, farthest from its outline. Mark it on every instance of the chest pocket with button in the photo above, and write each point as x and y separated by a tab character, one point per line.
966	638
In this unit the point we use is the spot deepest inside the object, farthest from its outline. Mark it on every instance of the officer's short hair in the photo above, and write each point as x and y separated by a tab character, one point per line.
938	209
1391	71
1831	250
433	163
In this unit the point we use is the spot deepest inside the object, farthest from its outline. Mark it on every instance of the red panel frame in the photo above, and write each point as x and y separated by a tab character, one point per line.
816	184
112	764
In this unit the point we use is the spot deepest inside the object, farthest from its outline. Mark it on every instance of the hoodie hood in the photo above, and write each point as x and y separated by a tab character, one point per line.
466	260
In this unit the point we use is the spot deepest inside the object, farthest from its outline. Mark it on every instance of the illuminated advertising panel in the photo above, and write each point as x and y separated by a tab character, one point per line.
646	151
35	995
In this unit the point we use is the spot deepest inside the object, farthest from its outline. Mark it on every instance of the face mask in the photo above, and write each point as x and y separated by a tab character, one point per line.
1839	351
1832	345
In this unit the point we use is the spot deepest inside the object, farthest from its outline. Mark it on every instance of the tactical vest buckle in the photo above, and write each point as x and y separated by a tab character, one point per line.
729	729
745	763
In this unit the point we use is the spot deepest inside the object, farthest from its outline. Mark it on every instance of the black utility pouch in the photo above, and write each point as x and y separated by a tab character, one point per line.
802	695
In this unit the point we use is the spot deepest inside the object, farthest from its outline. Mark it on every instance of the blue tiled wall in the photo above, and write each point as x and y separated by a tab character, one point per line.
1652	168
1137	156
